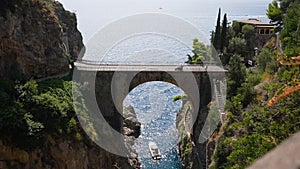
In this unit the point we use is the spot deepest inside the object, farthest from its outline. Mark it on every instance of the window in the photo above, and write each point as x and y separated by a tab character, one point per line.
262	31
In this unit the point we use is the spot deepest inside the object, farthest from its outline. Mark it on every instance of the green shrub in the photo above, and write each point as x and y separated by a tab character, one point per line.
30	110
176	98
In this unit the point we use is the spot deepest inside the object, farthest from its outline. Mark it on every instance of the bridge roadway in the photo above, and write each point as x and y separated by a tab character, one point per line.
149	68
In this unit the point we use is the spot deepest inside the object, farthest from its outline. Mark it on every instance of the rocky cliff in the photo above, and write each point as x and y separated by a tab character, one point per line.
131	131
193	154
60	153
37	38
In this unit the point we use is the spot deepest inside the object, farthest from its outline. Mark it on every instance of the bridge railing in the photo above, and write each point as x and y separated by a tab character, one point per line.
220	89
104	63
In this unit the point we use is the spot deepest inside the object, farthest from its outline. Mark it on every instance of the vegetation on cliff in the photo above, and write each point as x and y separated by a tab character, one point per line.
8	5
31	110
39	128
252	126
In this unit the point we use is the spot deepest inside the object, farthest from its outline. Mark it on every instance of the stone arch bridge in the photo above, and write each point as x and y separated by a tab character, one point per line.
113	82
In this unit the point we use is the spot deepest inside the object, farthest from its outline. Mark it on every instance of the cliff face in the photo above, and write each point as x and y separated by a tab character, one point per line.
65	152
131	131
193	154
37	39
60	153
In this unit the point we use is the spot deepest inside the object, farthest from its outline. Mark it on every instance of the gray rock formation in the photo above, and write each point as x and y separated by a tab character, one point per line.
131	130
60	153
132	127
37	39
193	154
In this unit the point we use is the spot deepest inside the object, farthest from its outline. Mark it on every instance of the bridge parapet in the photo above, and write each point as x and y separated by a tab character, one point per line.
145	67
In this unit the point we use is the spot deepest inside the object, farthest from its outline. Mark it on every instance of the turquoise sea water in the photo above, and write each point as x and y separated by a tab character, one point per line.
156	111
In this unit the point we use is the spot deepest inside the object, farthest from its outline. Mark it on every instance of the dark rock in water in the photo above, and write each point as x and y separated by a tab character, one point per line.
131	130
132	127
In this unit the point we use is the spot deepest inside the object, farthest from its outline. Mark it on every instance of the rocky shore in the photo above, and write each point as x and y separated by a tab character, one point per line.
193	154
131	130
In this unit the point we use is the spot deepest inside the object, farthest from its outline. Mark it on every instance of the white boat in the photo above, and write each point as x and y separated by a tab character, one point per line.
155	153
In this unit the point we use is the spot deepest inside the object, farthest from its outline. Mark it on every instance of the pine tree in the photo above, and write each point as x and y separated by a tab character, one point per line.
223	33
217	32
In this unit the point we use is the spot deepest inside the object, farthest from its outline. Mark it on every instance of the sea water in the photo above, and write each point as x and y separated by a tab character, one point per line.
156	111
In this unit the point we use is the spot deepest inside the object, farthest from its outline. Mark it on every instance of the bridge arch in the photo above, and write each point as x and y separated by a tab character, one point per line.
111	84
117	85
188	84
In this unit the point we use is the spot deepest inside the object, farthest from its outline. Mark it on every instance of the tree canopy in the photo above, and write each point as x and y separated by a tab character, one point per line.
258	117
217	35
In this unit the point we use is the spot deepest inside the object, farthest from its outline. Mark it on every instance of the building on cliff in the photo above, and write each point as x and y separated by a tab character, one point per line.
257	37
261	28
